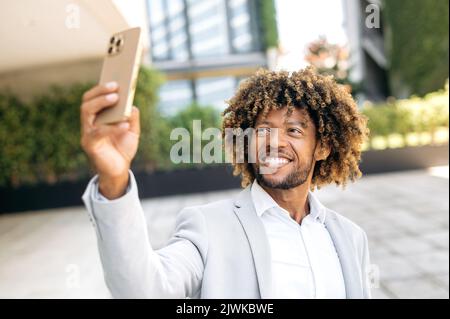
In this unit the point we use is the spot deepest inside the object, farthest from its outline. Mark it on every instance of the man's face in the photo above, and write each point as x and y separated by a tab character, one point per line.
294	159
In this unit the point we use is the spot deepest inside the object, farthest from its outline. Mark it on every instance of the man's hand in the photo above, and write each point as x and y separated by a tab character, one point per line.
112	147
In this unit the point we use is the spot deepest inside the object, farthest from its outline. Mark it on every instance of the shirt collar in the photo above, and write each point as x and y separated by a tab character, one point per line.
263	202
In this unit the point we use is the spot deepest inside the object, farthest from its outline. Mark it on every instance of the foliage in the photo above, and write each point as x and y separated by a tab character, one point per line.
331	59
40	139
268	21
413	115
418	45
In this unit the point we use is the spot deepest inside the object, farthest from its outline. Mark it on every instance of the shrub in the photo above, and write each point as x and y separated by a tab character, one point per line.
418	45
16	143
209	117
40	140
268	23
413	115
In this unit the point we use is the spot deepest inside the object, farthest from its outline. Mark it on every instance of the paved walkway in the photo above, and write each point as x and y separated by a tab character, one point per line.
53	254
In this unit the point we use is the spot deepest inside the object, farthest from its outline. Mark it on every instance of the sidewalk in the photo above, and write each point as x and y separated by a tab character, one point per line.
53	254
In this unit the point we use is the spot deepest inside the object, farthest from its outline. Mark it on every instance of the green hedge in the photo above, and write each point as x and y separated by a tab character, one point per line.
209	117
40	140
152	127
418	45
268	23
413	115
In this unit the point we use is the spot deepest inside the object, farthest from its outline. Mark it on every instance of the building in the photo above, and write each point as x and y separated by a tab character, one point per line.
365	29
204	47
60	42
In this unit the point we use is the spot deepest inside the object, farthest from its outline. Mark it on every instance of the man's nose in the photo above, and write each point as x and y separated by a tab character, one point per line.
282	139
278	139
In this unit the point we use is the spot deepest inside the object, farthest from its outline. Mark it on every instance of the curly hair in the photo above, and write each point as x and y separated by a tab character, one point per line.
338	122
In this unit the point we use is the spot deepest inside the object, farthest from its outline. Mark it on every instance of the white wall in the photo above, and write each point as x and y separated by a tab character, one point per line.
49	42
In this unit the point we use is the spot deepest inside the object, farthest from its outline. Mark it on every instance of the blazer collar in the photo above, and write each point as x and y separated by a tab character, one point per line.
345	251
259	245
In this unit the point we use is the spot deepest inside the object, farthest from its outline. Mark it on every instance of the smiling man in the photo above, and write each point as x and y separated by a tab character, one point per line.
275	239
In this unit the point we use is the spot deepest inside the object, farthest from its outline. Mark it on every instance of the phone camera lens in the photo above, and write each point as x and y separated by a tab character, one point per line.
119	42
112	40
110	50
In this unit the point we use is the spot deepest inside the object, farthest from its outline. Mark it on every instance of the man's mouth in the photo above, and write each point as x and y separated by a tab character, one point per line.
275	162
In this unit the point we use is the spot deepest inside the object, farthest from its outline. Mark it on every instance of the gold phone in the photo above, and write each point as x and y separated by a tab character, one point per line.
121	64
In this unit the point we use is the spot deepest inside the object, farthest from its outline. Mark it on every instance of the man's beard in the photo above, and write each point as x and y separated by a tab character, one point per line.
296	177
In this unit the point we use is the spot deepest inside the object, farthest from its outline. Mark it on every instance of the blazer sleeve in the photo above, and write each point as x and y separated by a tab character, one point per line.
132	269
366	267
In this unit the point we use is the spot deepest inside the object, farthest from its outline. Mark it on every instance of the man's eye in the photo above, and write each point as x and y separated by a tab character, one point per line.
295	131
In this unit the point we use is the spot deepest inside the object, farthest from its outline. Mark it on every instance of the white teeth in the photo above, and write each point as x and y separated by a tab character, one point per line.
276	161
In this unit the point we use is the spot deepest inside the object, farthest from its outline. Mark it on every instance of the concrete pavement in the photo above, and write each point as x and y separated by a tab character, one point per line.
53	253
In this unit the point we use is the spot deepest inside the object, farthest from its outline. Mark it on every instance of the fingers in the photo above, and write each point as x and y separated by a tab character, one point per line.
96	134
110	129
130	125
135	126
94	100
89	137
90	108
122	132
100	89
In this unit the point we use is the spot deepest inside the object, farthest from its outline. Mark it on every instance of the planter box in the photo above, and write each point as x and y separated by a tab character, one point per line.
43	196
402	159
193	180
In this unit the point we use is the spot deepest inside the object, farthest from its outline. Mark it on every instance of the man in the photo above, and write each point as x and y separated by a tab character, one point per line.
275	239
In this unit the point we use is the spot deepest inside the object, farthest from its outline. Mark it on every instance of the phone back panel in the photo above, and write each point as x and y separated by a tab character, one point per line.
121	64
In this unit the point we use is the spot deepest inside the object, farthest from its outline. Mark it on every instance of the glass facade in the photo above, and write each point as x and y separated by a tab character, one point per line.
189	31
214	91
168	30
241	23
208	28
175	95
211	91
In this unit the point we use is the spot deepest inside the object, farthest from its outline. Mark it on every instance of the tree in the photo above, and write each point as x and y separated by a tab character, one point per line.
417	42
331	59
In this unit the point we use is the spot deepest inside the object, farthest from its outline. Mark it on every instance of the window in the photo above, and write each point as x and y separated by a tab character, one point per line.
214	91
177	30
175	95
192	29
160	46
208	27
240	25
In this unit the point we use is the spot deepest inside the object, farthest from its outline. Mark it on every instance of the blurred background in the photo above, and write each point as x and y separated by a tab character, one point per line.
391	55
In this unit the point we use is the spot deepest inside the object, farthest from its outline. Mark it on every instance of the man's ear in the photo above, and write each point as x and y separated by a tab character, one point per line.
322	151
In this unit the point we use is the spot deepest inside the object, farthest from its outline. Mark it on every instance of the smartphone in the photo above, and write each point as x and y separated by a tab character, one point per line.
121	64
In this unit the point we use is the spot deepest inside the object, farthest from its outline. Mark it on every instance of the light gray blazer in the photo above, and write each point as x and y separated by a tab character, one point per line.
218	250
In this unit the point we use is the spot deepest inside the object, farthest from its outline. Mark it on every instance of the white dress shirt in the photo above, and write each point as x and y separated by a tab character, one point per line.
304	260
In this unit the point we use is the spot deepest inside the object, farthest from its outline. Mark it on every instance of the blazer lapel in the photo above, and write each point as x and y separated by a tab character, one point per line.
347	259
259	245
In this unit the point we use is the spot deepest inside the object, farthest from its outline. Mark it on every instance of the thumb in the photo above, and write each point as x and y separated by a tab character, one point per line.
135	125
